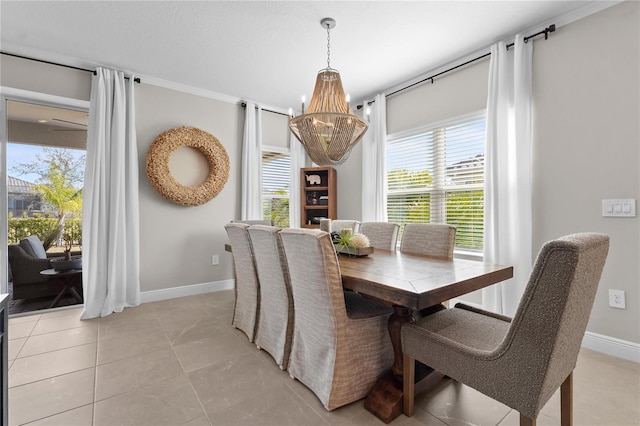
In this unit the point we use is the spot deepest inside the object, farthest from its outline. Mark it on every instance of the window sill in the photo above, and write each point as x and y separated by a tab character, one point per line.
468	254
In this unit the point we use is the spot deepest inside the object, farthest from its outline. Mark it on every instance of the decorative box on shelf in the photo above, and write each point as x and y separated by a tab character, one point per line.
353	251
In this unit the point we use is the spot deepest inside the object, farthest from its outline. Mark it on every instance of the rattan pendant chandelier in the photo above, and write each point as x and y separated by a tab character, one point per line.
328	129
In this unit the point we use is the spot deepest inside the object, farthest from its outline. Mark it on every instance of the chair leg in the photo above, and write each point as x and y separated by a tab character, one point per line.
527	421
566	401
408	384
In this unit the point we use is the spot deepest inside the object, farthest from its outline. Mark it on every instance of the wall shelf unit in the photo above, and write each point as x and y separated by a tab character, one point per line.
318	195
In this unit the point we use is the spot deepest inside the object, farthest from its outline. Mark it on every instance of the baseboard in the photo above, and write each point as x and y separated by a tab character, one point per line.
612	346
187	290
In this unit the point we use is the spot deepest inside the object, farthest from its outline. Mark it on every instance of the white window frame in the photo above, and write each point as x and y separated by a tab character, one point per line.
279	150
439	185
20	95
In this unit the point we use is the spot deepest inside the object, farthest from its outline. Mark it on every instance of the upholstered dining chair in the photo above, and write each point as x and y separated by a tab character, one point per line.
341	345
338	225
432	239
382	235
519	362
275	322
247	288
268	222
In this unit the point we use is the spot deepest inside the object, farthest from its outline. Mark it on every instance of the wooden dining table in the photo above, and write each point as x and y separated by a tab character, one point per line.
410	283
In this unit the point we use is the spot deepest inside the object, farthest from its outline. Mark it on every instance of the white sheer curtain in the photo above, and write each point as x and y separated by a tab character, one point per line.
110	218
374	164
251	202
299	159
508	222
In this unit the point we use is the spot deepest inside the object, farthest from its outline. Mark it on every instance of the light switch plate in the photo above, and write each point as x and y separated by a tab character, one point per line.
619	207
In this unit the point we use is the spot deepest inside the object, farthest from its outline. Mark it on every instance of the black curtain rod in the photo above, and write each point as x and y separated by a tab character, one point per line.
137	79
551	28
244	105
439	74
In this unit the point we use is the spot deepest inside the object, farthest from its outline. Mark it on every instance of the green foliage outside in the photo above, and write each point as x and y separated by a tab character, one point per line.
403	179
280	212
409	208
60	176
464	209
20	228
277	209
58	192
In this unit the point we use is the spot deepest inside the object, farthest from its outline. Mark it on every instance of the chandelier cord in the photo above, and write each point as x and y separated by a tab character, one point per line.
328	47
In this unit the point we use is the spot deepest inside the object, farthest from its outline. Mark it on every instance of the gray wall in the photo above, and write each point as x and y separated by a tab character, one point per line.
458	93
349	182
45	78
586	148
275	129
177	242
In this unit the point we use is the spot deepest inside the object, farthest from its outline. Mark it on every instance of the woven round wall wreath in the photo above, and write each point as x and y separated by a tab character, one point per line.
158	165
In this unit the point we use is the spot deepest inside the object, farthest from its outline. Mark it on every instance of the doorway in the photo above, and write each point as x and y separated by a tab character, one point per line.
43	152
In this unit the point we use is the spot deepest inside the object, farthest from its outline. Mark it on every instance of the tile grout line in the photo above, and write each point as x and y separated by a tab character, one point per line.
186	374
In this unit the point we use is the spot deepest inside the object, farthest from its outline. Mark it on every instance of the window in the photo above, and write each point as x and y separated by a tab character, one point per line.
276	181
436	175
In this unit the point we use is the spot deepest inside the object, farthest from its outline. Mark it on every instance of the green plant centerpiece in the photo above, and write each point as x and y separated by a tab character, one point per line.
346	241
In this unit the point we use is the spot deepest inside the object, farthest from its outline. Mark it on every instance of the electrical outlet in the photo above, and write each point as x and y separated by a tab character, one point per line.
214	260
616	299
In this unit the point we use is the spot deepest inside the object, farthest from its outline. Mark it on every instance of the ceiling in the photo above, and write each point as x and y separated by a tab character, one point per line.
269	51
51	116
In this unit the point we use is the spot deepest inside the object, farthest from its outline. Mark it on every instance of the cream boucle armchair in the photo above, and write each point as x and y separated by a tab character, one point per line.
519	362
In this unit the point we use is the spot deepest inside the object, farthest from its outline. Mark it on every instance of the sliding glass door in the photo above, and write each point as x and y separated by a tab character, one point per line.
42	168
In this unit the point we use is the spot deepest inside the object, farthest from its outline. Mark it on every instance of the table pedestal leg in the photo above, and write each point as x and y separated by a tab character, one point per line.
385	399
401	316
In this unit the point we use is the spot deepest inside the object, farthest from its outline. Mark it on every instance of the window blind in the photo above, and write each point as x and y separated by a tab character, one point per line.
276	175
437	176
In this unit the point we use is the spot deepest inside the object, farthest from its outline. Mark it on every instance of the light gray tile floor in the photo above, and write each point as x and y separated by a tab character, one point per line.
179	362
